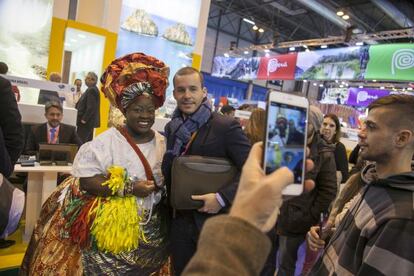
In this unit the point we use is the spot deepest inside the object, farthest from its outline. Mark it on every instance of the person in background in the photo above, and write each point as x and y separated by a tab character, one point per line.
3	70
195	130
88	109
11	144
298	214
228	110
255	128
375	237
331	132
53	131
236	244
78	93
46	95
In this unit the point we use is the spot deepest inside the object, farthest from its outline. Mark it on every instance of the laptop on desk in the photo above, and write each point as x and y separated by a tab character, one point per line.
57	154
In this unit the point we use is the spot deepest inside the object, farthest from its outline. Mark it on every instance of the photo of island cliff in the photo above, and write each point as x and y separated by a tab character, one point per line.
167	32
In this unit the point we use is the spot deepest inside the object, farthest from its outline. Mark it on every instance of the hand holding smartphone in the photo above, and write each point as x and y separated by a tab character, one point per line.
285	137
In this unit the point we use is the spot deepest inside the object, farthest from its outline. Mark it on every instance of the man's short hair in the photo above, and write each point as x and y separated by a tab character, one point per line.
54	104
227	109
3	68
188	71
402	107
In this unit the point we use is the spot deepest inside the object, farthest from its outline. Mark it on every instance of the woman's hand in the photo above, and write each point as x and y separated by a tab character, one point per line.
143	188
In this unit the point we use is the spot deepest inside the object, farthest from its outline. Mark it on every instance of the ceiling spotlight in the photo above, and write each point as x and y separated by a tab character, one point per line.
226	55
321	85
246	52
314	84
359	43
305	46
336	81
382	87
266	50
249	21
342	82
292	49
409	88
340	13
305	80
341	86
261	30
267	55
255	28
345	17
374	80
324	46
360	86
307	50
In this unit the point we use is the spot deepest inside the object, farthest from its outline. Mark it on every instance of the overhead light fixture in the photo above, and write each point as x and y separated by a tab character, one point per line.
305	46
360	86
382	87
255	28
305	80
409	88
340	13
356	31
321	85
341	86
267	55
246	52
359	43
343	82
307	50
374	80
345	17
266	50
336	81
314	84
249	21
226	55
261	30
324	46
292	49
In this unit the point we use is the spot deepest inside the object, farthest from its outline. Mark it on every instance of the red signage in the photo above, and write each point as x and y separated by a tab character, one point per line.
281	67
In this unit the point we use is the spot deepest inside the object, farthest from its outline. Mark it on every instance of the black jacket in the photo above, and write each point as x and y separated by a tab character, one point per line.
38	134
88	108
341	161
11	135
219	137
299	213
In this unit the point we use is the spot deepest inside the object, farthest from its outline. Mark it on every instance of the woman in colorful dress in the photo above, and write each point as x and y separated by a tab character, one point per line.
108	219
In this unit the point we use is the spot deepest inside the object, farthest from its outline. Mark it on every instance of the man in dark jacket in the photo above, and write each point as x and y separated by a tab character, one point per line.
11	131
88	109
298	214
53	131
213	135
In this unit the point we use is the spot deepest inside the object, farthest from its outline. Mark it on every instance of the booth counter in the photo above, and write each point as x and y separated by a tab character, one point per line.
35	114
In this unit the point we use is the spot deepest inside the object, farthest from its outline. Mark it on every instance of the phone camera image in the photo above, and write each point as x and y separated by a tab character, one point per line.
285	141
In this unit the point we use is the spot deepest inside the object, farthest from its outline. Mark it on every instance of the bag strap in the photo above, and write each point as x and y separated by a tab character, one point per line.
187	147
144	161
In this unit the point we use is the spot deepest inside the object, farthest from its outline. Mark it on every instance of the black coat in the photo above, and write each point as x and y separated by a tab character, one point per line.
11	134
38	134
88	108
299	213
220	137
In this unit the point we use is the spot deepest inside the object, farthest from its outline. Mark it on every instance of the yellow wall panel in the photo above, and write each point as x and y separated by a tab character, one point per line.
57	38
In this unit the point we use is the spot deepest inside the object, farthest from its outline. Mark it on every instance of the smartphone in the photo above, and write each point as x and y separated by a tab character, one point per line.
285	137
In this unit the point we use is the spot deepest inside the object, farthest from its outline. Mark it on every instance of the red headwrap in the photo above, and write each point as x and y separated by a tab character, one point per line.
131	69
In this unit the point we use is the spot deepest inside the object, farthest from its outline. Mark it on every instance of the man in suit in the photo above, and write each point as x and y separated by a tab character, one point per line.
11	131
195	130
88	109
53	131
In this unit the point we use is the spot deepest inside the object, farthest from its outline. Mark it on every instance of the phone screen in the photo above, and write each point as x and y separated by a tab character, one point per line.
285	138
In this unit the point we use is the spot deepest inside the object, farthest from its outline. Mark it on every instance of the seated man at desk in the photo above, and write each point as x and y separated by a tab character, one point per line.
53	131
